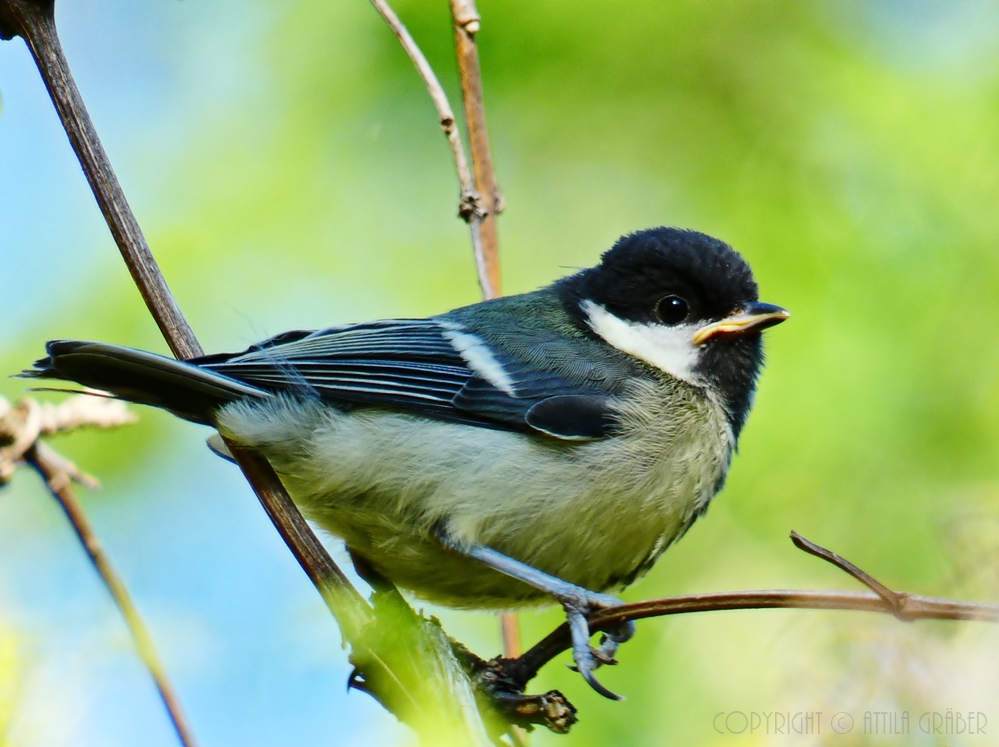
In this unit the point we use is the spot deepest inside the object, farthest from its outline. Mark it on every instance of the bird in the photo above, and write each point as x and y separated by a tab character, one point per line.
544	446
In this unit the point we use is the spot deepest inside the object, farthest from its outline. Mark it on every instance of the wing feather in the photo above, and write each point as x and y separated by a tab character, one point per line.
411	365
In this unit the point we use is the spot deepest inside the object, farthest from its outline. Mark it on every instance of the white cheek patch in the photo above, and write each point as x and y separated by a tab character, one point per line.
474	351
670	349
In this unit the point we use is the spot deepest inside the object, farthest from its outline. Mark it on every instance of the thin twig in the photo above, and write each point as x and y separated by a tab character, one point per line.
895	599
20	428
471	206
58	483
916	607
467	24
57	461
908	607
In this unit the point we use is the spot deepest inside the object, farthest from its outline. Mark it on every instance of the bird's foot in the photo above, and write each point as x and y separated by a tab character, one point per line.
587	657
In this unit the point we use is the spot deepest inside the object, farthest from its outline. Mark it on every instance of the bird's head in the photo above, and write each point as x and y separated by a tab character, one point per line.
682	302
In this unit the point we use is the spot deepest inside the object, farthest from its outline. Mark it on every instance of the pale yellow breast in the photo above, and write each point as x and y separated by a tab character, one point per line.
592	513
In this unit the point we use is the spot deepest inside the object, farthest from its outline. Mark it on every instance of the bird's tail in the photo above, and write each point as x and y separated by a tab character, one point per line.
183	388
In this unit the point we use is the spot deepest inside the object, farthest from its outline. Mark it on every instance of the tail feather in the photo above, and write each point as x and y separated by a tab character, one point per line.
144	378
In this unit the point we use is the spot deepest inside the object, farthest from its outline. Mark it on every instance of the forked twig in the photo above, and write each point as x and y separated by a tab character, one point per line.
895	599
471	206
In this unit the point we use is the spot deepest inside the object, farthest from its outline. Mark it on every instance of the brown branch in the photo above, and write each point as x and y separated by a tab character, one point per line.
467	24
895	599
916	607
471	206
342	599
511	635
34	21
906	607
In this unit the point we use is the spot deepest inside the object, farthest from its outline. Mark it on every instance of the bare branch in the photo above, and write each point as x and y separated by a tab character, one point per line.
466	25
896	600
511	635
908	607
342	599
471	206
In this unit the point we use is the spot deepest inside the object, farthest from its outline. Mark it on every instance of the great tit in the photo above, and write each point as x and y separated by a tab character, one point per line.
545	445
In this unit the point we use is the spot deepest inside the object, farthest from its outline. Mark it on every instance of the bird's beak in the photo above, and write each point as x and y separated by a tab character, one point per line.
753	317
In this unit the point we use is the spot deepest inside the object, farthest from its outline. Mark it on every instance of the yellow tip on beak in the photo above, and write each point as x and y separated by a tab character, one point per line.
754	317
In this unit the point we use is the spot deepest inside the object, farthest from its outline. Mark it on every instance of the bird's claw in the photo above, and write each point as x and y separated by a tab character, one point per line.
586	657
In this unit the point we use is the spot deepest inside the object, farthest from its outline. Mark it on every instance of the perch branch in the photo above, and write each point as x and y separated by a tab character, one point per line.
447	698
20	429
904	606
34	21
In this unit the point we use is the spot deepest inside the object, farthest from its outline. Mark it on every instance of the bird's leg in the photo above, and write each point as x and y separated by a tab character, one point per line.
578	602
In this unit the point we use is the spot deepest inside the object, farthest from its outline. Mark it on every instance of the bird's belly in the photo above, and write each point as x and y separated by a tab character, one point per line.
595	514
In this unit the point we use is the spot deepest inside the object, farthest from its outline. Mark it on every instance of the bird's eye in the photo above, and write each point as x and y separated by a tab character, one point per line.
672	310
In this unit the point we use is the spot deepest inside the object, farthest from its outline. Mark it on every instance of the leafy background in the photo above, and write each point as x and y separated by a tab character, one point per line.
287	167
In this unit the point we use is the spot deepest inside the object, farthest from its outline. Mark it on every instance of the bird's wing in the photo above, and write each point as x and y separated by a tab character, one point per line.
425	367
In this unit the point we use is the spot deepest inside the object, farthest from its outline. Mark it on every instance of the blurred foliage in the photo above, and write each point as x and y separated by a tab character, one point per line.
849	150
11	675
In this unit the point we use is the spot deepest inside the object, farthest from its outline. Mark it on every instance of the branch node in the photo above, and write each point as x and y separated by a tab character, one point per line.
499	201
19	430
896	600
470	206
466	15
502	695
